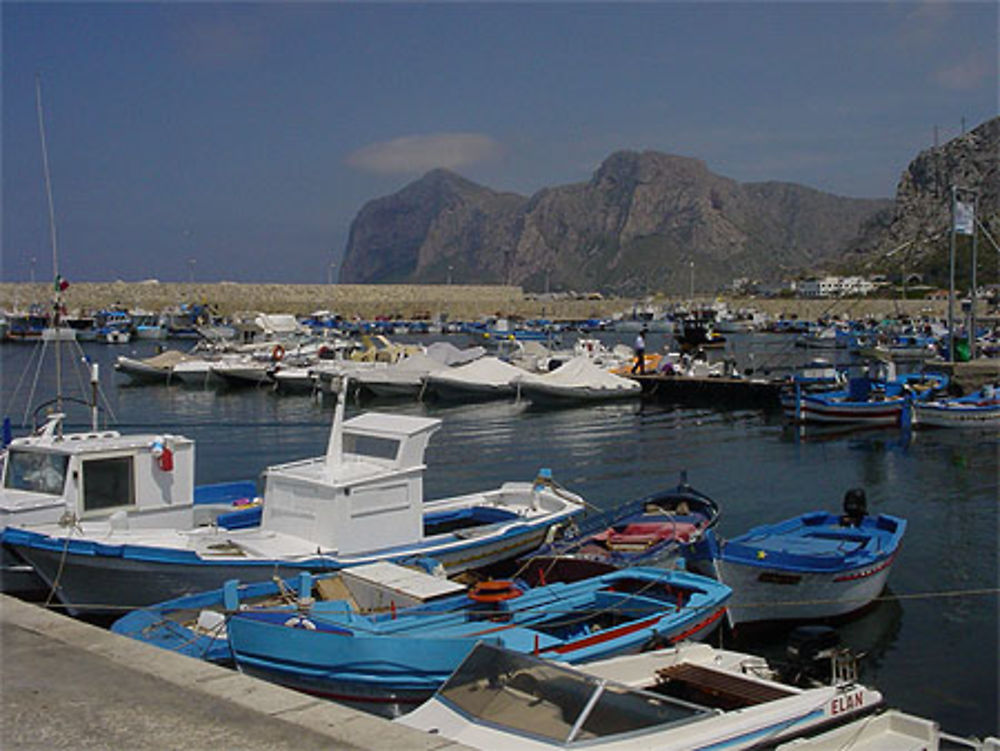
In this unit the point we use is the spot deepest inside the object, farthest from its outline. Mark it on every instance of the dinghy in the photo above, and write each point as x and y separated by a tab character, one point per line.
813	566
651	531
979	409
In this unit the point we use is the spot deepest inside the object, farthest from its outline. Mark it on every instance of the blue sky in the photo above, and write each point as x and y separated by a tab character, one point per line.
237	141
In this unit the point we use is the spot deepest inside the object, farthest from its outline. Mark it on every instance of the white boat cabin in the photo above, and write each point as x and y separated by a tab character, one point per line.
365	494
50	476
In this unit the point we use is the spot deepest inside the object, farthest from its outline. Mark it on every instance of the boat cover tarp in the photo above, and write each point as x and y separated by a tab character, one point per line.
485	371
583	373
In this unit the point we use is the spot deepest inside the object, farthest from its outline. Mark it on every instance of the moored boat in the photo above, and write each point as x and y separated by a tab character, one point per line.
362	501
650	531
813	566
578	380
979	409
401	657
688	697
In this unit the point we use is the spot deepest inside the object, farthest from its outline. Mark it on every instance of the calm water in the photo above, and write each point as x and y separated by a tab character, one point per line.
929	648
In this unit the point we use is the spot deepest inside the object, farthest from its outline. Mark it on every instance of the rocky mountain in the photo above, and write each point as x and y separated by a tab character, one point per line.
645	221
916	234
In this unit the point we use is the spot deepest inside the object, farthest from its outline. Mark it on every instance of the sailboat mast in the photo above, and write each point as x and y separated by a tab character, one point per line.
57	302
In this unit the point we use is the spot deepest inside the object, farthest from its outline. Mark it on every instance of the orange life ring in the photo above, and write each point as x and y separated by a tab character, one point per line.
494	591
277	353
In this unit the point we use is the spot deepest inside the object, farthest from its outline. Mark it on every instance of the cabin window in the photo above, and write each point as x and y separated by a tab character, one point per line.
108	483
371	446
35	472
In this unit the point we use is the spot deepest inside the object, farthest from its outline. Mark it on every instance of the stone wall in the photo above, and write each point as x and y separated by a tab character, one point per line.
457	301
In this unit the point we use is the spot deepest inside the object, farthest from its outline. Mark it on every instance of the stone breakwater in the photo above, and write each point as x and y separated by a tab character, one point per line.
456	302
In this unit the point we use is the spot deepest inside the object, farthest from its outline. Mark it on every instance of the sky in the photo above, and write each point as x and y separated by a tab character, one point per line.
209	142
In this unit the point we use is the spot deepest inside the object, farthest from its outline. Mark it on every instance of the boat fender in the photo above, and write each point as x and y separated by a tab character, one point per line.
300	621
278	353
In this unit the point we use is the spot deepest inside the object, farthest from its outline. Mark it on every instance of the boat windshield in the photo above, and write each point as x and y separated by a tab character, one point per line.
36	472
525	694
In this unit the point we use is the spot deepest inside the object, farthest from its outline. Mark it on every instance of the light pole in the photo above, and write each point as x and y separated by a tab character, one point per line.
450	269
32	275
191	263
692	279
329	274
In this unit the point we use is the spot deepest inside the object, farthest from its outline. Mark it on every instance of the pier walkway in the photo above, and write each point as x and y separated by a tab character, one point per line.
66	684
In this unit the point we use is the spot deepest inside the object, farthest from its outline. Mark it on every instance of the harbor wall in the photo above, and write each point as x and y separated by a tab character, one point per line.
458	301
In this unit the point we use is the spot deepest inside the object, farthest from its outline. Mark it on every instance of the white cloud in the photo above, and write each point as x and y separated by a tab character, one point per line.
966	74
420	153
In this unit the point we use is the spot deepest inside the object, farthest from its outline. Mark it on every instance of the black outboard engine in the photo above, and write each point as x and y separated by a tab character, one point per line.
855	507
810	652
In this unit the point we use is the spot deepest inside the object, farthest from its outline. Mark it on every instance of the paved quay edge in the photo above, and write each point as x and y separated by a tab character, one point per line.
345	728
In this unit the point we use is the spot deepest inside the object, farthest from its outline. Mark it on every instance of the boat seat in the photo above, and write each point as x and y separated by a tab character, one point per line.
723	685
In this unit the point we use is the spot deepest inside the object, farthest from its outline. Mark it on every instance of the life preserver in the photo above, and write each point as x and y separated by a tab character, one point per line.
300	621
277	353
494	591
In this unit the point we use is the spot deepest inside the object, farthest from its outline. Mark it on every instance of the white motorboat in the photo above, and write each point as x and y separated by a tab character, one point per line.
891	730
156	369
978	409
680	699
360	502
578	380
138	481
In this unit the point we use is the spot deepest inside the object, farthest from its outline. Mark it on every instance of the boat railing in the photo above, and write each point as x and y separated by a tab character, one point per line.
844	664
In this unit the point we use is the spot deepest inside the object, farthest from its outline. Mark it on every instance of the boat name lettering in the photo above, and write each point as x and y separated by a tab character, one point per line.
847	703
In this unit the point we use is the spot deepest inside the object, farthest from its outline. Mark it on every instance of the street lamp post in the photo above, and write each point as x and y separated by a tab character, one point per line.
191	263
692	279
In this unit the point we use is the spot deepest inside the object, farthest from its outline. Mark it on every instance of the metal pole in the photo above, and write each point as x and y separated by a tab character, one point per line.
951	284
972	295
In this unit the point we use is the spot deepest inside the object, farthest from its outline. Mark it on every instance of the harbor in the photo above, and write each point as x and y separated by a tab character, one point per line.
943	482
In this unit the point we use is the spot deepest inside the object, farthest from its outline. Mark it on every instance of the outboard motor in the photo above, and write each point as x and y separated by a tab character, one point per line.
855	507
810	652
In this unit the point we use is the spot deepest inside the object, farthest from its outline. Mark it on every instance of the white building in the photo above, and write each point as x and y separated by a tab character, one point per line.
834	286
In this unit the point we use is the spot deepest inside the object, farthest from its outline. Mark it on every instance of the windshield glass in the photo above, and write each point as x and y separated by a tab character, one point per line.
36	472
525	694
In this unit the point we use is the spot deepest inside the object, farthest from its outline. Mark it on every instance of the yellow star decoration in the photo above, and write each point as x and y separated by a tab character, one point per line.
761	555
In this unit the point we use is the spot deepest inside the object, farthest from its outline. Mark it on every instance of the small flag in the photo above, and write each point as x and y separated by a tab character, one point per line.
965	218
61	284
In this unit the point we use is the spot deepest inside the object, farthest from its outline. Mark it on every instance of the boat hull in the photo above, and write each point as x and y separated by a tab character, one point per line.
96	578
763	594
957	415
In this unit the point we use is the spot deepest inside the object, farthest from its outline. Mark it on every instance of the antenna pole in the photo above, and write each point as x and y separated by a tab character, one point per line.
57	303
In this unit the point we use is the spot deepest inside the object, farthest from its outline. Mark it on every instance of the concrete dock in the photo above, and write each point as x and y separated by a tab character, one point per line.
66	684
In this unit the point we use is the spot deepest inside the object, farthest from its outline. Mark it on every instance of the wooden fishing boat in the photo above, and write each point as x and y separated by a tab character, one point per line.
401	657
813	566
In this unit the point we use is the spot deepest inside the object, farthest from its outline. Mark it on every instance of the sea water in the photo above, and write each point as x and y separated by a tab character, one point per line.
931	644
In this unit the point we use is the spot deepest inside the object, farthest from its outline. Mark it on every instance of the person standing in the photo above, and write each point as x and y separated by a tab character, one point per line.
640	353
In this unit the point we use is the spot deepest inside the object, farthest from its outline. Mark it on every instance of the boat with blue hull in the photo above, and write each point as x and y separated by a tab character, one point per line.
61	479
360	502
812	566
979	409
865	401
650	531
400	658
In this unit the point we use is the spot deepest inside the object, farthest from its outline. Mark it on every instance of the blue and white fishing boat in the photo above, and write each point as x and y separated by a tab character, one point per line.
865	401
402	657
651	531
361	501
59	480
979	409
813	566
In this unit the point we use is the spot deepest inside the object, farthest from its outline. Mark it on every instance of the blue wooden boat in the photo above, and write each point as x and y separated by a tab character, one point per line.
816	565
865	401
396	659
650	531
979	409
